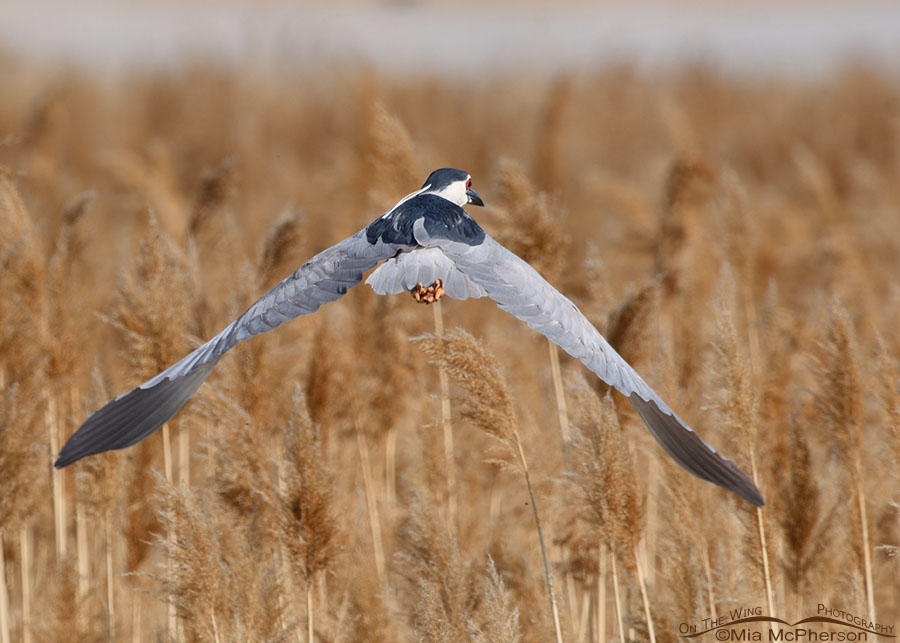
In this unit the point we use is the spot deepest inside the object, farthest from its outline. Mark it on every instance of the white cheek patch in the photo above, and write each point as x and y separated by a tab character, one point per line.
455	193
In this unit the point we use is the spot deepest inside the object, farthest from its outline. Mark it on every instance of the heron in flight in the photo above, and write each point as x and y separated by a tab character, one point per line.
426	238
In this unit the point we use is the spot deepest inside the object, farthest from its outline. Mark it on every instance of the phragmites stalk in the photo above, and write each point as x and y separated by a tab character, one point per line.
890	396
22	464
548	165
501	616
605	471
438	574
840	405
389	159
217	187
490	403
689	187
684	550
681	258
193	581
63	299
331	374
243	471
776	380
221	579
21	319
739	412
384	383
26	425
155	305
489	407
802	522
737	403
22	279
633	331
63	303
841	400
451	602
212	231
98	486
529	226
736	227
280	253
532	232
58	624
154	309
154	178
307	521
630	327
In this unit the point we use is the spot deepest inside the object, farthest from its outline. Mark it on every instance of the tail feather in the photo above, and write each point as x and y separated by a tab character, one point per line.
131	417
401	273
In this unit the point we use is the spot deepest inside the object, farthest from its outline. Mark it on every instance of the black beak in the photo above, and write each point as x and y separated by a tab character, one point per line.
474	199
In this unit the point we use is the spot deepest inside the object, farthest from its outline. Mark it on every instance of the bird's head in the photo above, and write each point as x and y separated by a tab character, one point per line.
453	185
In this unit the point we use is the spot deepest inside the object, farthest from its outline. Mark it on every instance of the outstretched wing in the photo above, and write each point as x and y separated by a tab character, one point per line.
519	289
131	417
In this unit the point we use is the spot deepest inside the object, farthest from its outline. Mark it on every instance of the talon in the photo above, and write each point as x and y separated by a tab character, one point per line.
417	292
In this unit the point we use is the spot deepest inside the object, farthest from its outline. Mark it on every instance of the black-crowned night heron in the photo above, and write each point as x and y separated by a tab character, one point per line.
427	238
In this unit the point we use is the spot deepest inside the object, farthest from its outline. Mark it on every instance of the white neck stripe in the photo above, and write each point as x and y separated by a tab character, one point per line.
404	200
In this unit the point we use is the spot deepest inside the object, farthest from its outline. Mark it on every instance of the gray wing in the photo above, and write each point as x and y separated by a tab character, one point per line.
519	289
131	417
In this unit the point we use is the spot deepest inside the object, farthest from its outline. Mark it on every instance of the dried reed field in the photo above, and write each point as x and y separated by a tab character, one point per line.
364	473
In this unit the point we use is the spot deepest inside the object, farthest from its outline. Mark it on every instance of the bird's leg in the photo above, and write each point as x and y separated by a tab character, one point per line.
429	294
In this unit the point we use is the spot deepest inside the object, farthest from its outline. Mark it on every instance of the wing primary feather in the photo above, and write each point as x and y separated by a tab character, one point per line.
132	417
692	453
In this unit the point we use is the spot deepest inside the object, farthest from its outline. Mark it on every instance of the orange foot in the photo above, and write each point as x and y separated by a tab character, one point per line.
428	295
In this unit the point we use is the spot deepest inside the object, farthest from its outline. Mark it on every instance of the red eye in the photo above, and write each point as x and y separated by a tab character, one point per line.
468	183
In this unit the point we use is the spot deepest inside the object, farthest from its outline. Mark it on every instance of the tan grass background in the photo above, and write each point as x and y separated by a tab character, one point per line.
737	240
